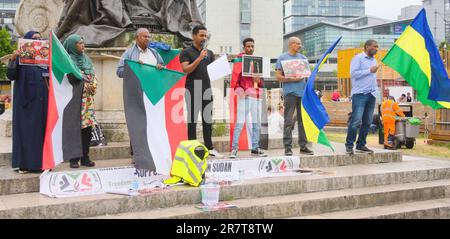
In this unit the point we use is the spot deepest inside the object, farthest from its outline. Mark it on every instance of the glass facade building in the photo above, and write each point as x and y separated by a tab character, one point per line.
318	38
301	13
7	13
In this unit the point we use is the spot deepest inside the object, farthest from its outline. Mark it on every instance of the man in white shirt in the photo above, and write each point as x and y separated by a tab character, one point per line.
140	52
143	54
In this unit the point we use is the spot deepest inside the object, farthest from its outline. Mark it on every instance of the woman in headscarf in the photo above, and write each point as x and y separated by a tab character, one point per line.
29	111
74	45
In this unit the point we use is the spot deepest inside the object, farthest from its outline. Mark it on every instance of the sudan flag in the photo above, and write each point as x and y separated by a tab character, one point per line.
244	141
314	114
63	131
416	57
154	103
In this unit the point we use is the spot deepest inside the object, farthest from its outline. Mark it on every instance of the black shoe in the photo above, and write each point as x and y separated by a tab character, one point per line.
364	149
349	151
306	151
259	153
288	152
87	162
74	163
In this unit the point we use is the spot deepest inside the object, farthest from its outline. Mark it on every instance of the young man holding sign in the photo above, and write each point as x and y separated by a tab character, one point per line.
249	92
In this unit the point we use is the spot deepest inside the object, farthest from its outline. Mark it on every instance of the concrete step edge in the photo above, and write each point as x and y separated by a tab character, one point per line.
305	204
437	208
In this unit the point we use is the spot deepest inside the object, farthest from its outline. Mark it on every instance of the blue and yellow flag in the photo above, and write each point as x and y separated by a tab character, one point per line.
416	58
314	114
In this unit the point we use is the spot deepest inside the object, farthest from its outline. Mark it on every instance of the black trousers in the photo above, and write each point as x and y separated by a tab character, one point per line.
292	104
200	100
86	136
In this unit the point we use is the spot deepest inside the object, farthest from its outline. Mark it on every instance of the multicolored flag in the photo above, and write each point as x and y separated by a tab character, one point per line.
154	101
63	131
314	114
416	58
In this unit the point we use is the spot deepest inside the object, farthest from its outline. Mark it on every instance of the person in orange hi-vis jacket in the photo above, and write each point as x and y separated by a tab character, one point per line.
389	110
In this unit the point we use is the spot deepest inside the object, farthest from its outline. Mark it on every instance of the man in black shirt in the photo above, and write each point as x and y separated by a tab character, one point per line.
194	61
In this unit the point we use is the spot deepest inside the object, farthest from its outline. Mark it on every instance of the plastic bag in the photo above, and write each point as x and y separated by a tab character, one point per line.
415	121
98	139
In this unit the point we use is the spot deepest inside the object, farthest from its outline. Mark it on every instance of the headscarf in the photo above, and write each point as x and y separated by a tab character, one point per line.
29	35
80	59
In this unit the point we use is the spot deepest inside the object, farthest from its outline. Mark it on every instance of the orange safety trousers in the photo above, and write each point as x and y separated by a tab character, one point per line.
389	128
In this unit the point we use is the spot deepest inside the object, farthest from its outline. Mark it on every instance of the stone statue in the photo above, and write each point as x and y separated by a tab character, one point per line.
102	22
38	15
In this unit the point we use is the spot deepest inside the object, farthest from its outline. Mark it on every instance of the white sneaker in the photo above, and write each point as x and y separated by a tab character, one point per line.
233	154
215	153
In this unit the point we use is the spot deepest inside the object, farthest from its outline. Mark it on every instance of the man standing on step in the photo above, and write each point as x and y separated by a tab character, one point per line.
363	70
199	98
293	92
142	53
249	91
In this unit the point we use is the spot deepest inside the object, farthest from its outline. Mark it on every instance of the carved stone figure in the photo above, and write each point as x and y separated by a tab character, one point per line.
38	15
105	22
102	21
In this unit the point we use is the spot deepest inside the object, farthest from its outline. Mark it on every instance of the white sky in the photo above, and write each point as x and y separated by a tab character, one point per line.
388	9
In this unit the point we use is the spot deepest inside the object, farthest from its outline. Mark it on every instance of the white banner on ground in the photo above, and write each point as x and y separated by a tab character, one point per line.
96	181
254	167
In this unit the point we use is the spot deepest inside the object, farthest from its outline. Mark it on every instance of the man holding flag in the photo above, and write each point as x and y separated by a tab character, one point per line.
147	110
140	52
293	89
363	69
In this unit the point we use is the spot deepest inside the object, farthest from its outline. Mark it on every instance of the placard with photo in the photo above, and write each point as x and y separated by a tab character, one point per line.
34	52
296	68
252	66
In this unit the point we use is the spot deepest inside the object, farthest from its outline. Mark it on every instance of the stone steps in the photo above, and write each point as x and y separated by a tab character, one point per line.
306	203
116	135
322	158
11	182
429	209
111	151
339	188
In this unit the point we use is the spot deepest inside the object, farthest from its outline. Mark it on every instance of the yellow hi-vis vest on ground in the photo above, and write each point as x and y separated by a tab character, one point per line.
187	166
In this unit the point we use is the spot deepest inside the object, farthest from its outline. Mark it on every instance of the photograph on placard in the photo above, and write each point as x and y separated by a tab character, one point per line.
297	68
34	52
252	66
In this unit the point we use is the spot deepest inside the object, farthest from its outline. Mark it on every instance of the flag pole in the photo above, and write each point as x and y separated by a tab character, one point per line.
111	56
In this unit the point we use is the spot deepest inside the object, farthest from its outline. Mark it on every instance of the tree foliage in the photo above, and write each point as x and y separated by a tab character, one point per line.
6	48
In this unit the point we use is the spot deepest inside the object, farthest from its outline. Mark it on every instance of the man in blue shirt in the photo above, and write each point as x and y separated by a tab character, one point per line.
292	91
363	70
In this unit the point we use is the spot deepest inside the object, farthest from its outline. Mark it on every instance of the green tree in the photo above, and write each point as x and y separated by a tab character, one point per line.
171	40
5	49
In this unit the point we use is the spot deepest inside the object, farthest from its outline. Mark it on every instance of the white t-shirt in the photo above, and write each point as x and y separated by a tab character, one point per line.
147	56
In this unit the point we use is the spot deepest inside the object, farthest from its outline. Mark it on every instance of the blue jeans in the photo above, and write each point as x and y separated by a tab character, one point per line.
248	107
363	106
